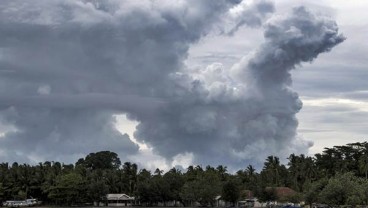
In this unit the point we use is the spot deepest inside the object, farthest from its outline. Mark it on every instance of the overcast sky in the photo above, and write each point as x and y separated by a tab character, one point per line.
172	84
333	88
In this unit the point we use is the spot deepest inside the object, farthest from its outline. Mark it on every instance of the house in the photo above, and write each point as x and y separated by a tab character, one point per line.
119	200
282	193
285	196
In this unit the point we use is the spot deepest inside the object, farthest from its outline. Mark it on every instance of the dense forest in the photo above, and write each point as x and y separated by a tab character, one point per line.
337	176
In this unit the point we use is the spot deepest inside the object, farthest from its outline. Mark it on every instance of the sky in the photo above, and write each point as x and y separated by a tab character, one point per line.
168	84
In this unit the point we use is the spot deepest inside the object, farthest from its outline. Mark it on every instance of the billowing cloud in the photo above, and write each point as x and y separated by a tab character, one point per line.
250	13
67	67
248	112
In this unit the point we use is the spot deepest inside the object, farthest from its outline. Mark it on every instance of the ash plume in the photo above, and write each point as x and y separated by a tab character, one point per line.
68	66
224	119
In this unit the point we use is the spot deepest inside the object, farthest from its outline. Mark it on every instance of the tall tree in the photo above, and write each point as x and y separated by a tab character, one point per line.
363	165
231	191
271	170
101	160
69	189
343	189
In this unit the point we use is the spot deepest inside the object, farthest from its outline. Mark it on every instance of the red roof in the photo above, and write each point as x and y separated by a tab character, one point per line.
282	191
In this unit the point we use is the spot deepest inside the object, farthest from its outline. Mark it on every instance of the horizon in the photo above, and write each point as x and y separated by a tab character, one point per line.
184	169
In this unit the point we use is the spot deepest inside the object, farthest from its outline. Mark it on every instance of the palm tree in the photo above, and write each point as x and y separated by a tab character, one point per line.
272	165
250	170
295	169
158	172
222	172
309	169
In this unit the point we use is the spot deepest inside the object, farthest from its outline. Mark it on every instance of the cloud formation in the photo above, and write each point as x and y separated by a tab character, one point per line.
68	66
248	113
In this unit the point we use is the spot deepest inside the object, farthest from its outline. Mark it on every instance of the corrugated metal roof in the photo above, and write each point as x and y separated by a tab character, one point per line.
118	197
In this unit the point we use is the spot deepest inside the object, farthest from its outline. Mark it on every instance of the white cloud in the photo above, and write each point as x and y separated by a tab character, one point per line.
336	102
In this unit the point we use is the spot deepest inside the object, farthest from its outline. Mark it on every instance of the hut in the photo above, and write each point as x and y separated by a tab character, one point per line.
119	200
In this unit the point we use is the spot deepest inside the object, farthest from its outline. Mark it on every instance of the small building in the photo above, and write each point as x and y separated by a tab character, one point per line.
119	200
253	202
220	202
282	193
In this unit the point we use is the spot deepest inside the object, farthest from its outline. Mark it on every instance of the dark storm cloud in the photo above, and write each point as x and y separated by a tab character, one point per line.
68	66
97	101
63	134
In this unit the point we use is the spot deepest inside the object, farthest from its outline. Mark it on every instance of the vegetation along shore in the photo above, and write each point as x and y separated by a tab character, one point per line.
337	176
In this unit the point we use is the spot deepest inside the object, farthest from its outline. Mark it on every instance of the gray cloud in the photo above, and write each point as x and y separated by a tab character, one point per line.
64	134
229	120
346	125
68	66
250	13
333	80
356	95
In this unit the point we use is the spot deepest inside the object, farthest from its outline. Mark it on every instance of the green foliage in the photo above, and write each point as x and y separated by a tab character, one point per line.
313	190
2	192
100	160
21	194
96	190
343	189
294	198
267	194
190	192
202	186
210	187
302	171
174	178
231	191
363	164
274	174
337	176
69	189
129	178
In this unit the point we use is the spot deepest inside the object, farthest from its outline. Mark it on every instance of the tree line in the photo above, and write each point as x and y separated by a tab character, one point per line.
337	176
